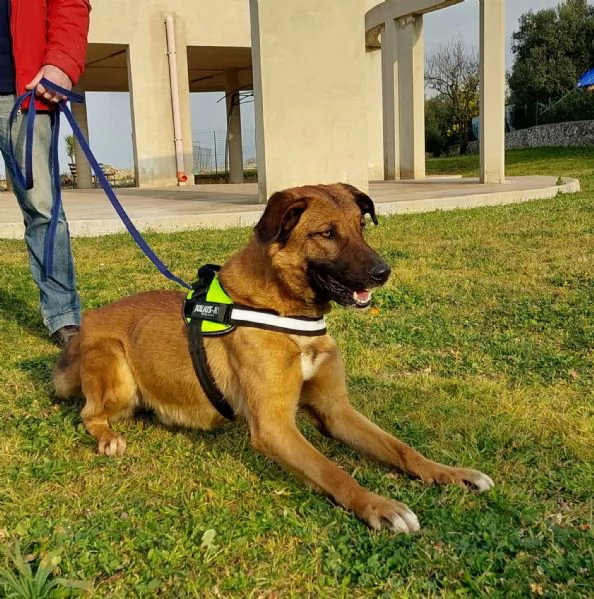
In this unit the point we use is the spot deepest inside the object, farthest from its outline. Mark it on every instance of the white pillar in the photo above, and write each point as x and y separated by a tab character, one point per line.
373	96
84	179
150	100
492	94
411	86
235	151
309	82
390	101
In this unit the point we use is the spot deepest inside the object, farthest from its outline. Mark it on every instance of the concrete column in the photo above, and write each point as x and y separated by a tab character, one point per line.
150	100
390	101
309	77
492	94
234	147
84	179
374	114
411	86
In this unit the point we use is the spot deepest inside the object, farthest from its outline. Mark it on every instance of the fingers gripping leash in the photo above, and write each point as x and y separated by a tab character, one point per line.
26	181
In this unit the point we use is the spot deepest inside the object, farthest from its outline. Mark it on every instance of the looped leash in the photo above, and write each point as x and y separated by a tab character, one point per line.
26	180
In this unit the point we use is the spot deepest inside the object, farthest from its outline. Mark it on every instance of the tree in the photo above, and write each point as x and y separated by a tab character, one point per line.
552	48
453	73
438	125
69	141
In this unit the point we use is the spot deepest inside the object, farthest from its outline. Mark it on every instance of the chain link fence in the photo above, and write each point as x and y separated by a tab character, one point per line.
574	106
209	148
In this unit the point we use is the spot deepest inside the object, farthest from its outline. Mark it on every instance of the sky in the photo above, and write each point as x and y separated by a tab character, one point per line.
110	130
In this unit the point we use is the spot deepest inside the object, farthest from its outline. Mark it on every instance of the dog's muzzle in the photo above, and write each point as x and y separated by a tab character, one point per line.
335	282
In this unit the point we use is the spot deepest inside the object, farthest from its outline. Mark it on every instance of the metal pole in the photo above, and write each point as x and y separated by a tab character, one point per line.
175	103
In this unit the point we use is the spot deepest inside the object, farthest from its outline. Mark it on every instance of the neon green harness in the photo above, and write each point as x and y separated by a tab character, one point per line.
209	311
216	294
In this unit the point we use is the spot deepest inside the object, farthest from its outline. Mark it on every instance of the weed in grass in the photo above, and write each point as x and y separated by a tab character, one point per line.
19	581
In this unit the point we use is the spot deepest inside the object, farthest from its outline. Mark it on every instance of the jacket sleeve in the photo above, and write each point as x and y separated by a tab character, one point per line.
67	32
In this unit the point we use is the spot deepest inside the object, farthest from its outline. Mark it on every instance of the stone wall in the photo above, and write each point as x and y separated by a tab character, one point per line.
556	135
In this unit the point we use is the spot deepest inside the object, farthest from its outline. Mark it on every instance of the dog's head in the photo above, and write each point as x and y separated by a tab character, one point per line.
314	237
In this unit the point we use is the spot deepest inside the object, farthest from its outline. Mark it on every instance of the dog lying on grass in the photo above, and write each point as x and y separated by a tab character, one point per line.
307	250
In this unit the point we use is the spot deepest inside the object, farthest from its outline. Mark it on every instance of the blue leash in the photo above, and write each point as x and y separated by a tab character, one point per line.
26	180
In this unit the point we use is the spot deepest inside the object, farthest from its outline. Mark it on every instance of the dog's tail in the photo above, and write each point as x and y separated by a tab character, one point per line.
66	375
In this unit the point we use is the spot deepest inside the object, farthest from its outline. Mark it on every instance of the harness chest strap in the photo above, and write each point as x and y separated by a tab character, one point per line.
209	311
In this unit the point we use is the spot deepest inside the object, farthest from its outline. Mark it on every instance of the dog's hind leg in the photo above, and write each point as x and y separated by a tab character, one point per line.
110	392
326	396
66	374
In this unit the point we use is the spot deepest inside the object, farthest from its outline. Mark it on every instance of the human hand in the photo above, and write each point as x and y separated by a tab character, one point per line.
55	75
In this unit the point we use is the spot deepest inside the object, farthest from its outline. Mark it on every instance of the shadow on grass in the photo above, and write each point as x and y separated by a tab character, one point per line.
227	439
14	307
39	369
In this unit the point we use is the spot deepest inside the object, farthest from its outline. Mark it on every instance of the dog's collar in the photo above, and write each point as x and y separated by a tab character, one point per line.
209	303
209	311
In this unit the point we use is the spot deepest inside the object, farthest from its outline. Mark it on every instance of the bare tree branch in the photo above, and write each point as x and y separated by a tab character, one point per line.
452	71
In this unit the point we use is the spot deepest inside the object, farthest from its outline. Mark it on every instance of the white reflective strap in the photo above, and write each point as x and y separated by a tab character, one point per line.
281	322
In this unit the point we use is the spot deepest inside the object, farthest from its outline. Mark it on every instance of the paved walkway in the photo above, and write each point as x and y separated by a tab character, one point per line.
174	209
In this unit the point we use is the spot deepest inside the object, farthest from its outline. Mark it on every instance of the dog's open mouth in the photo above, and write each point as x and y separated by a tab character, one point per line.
330	289
362	298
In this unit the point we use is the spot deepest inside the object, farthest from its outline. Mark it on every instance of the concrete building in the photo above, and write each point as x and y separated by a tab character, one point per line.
339	87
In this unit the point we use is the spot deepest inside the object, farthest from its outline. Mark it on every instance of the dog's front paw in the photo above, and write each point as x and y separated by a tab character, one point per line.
466	476
378	512
112	444
477	479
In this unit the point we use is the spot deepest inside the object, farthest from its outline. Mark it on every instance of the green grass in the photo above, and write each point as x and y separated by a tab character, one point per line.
478	352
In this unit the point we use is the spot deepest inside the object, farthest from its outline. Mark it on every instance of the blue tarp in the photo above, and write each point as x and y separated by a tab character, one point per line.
586	79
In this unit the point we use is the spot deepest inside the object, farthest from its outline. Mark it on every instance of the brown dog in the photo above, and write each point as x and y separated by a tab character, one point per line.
308	249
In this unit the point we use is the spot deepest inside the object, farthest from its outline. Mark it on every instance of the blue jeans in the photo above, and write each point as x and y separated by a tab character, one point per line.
60	304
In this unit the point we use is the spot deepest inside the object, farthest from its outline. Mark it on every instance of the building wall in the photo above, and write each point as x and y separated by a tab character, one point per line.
140	26
309	80
206	22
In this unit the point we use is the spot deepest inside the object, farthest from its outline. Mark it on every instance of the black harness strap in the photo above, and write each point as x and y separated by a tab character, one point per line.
197	310
198	351
200	361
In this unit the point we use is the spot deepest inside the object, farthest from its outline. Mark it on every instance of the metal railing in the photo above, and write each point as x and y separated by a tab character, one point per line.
209	148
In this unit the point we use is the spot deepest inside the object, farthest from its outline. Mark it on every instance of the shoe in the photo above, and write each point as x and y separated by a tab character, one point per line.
64	334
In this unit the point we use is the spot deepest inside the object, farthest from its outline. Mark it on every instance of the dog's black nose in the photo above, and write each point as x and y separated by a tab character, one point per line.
380	272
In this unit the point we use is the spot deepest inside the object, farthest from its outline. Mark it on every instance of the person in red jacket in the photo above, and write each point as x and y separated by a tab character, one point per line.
42	38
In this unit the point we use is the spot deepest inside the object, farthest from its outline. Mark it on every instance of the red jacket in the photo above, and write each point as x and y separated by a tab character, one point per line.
48	32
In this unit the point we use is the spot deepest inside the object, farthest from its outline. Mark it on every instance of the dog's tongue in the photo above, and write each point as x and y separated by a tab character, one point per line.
362	296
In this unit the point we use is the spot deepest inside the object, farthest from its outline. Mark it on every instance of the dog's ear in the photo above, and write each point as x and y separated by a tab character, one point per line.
280	217
364	202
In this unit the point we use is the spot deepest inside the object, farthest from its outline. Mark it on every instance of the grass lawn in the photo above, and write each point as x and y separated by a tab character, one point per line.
478	352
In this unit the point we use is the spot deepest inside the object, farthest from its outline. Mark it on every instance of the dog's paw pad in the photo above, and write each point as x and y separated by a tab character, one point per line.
411	519
381	512
481	481
114	446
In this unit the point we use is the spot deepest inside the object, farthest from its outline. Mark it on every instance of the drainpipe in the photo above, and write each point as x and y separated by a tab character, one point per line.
177	129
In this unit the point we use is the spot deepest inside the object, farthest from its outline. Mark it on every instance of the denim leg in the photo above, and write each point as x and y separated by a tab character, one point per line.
60	303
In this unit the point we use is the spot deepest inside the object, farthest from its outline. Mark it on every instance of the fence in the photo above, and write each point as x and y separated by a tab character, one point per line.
573	106
209	148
